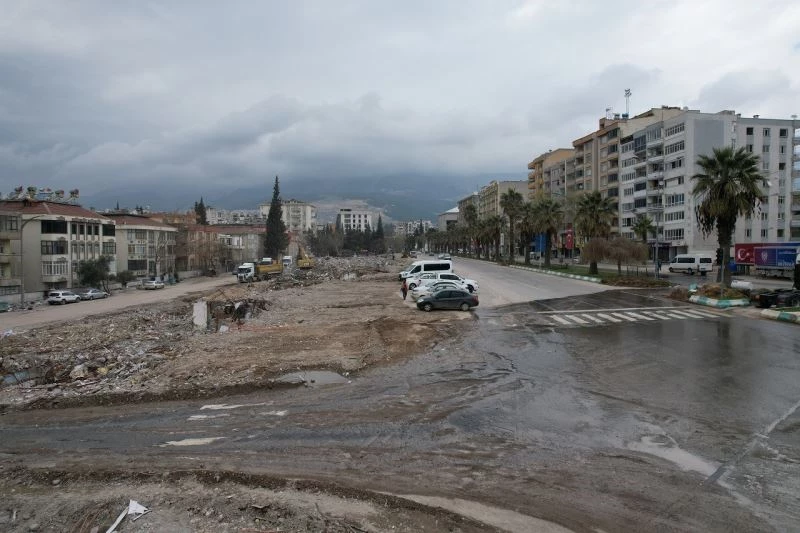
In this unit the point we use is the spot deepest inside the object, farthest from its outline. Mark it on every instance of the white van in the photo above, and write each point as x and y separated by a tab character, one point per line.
691	263
421	267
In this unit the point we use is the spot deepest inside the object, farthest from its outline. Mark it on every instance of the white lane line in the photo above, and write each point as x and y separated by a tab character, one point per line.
576	319
673	315
593	319
626	317
191	442
709	315
559	319
640	316
608	317
653	313
684	313
693	314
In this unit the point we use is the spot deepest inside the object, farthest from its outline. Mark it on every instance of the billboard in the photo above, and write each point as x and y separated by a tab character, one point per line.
782	257
744	253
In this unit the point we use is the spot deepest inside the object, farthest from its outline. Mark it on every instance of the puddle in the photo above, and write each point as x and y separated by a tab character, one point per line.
313	378
665	447
191	442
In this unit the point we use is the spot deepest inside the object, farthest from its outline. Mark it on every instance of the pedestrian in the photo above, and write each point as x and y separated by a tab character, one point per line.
404	289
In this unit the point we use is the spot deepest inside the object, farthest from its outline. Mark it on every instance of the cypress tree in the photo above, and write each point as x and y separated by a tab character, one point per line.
276	240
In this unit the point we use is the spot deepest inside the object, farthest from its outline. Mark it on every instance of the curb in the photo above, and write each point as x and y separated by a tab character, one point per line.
719	304
781	315
559	274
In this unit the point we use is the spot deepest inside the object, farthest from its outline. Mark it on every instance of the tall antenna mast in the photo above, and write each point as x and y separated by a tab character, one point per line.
628	102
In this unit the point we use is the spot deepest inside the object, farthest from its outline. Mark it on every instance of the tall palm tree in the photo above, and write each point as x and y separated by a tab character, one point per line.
527	228
512	204
727	187
643	226
493	227
593	217
549	216
471	218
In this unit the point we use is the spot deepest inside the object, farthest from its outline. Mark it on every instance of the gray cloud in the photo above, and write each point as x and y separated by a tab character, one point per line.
202	95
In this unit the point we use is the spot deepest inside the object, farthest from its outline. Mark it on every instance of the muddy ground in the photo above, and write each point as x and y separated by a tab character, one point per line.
260	335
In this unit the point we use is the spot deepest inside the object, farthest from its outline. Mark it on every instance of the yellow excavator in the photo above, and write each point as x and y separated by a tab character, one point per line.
303	260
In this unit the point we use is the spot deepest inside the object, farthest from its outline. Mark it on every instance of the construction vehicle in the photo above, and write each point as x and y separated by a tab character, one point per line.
303	260
260	270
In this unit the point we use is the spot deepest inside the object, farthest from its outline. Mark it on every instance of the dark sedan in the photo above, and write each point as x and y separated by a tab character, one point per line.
779	298
448	299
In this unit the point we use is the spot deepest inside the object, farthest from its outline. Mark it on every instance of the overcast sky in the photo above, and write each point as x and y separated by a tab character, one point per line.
206	92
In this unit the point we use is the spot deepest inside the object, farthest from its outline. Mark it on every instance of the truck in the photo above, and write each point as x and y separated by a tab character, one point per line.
775	261
257	271
304	261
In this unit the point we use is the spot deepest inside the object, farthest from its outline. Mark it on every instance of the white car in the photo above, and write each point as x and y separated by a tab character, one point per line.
426	290
62	297
432	277
152	284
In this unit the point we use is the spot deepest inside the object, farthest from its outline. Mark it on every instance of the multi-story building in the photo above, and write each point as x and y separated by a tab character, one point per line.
146	245
298	216
471	199
489	196
545	176
354	220
412	226
242	243
47	240
448	219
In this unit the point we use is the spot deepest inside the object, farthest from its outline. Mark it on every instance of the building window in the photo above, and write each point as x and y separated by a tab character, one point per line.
750	131
673	234
781	200
749	148
783	133
9	223
766	132
54	226
764	216
763	233
109	248
677	215
748	233
678	163
780	233
627	191
140	234
54	247
765	149
109	230
674	147
672	130
765	165
54	268
782	149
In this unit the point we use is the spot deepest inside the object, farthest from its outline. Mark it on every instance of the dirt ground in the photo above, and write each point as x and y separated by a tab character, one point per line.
343	318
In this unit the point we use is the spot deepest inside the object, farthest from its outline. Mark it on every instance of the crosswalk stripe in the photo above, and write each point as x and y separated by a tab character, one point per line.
576	319
626	317
559	319
638	315
673	315
653	313
693	314
684	313
593	318
608	317
709	315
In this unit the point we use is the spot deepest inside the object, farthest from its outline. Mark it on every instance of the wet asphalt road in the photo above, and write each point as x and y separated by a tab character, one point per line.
662	419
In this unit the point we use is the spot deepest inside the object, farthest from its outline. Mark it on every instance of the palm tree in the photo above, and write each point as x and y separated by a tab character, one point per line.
593	217
643	226
548	217
512	204
527	228
493	227
725	189
471	218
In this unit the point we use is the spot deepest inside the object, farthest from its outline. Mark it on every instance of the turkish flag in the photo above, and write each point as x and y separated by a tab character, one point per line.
570	240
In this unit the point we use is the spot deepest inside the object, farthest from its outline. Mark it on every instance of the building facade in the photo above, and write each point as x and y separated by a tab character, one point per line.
447	219
50	240
146	245
489	196
298	217
354	220
471	199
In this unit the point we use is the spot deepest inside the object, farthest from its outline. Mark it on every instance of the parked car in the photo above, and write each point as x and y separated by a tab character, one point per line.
151	284
691	263
91	294
448	299
62	297
425	290
432	277
779	298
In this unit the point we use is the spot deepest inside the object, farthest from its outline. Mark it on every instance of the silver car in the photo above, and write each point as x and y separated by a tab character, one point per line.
426	290
62	297
92	294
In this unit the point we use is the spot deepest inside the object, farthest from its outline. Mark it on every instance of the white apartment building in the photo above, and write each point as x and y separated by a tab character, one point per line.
44	241
658	161
298	216
410	227
354	220
146	246
216	216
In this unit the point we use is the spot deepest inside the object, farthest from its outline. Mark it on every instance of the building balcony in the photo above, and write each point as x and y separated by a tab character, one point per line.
655	142
58	278
10	282
9	235
8	258
795	222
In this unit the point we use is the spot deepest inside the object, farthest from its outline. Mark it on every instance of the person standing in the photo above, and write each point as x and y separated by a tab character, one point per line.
404	289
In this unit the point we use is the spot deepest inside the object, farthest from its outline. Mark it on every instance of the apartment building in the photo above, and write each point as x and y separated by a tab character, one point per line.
659	160
470	199
354	220
218	216
146	245
298	216
241	243
44	241
489	196
548	172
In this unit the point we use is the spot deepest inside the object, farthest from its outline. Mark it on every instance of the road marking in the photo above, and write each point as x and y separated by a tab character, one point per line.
610	309
576	319
626	317
559	319
653	313
593	318
692	314
709	315
608	317
191	442
219	406
673	315
685	314
638	315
